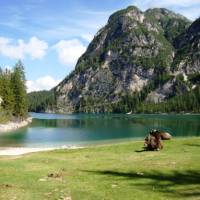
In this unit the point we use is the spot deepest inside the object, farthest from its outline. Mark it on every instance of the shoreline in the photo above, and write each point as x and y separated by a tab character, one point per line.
18	151
12	126
169	113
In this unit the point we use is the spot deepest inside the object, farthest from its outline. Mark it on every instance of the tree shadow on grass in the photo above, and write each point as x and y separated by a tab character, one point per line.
192	145
175	184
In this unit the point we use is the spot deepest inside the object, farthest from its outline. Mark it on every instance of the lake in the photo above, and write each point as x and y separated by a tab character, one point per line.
55	130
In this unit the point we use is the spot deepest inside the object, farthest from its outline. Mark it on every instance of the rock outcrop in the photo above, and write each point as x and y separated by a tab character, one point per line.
14	125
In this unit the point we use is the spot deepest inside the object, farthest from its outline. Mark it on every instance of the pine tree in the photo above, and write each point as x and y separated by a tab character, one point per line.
6	92
19	91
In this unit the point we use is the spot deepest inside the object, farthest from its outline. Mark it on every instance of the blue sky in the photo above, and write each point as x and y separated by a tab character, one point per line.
49	36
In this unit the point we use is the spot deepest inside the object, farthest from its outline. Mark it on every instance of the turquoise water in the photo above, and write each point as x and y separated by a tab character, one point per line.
48	130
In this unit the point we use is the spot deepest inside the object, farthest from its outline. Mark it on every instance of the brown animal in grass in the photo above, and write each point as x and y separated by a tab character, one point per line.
154	140
163	135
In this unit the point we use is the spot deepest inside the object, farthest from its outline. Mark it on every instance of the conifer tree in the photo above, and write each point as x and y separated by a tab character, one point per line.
6	92
19	91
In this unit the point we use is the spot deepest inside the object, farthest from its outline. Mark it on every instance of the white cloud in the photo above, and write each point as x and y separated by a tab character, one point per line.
180	6
88	37
34	48
42	83
191	13
165	3
69	51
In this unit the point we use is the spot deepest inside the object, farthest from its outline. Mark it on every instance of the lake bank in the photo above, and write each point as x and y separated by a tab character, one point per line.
17	151
14	125
20	151
117	171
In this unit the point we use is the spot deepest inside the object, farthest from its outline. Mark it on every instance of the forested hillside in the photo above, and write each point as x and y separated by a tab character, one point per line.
42	101
13	97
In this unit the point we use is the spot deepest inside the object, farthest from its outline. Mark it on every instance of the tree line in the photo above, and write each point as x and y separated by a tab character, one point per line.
45	101
181	103
13	97
188	102
42	101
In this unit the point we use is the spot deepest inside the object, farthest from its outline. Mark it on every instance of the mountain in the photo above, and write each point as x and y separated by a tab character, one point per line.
137	58
188	49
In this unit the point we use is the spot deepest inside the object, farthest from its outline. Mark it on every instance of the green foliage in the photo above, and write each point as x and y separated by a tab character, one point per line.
194	78
18	83
171	23
4	116
13	92
41	101
6	92
180	77
174	27
188	102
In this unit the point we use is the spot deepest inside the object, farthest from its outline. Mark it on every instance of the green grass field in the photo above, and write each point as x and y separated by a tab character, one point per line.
117	171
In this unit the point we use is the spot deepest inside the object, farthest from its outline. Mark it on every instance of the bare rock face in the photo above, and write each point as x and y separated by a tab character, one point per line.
188	50
132	51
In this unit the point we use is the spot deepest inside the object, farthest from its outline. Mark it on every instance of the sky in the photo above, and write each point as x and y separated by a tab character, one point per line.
49	36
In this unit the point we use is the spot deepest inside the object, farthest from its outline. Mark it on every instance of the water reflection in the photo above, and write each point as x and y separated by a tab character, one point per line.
56	130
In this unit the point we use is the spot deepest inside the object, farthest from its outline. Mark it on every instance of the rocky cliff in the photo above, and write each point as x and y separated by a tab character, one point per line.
150	55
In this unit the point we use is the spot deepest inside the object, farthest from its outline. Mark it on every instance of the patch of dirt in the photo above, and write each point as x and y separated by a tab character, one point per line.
54	175
6	186
67	198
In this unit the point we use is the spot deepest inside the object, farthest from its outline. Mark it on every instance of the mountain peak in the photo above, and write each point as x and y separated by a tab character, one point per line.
131	11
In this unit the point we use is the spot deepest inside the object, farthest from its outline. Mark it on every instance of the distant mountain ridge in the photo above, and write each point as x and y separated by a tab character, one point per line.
136	58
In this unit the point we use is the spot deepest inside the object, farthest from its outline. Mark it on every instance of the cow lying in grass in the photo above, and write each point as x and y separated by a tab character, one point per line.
153	141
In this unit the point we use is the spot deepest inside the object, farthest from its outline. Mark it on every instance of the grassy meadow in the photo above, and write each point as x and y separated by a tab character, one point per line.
110	172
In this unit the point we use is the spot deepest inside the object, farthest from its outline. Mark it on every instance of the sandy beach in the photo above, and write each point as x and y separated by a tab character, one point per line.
15	151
